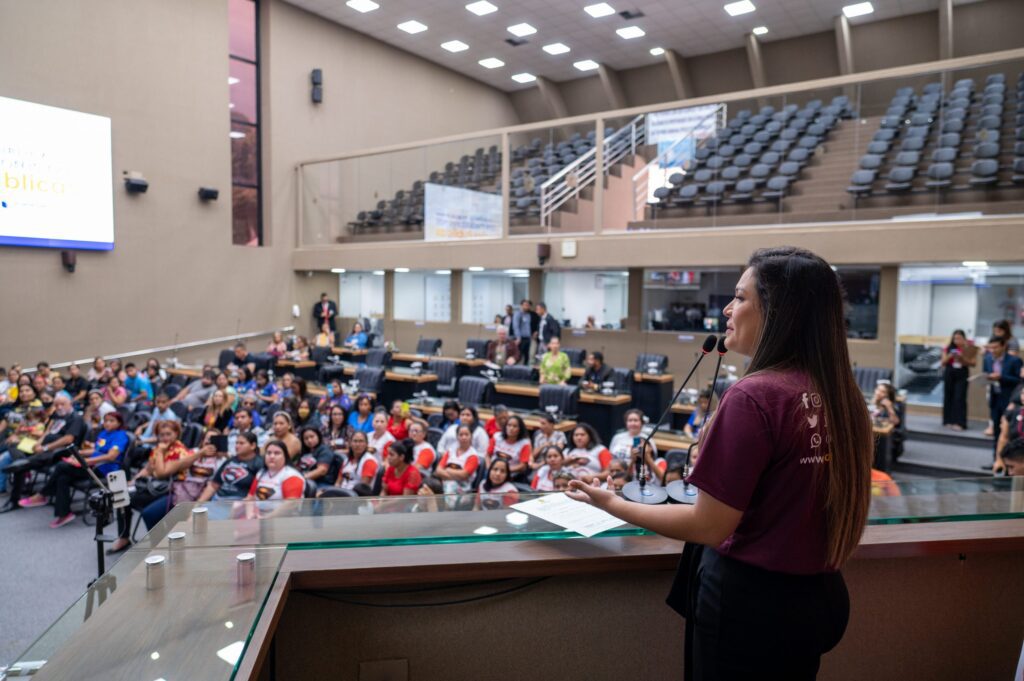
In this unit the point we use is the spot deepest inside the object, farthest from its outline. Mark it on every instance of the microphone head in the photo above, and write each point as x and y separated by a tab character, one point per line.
709	343
721	346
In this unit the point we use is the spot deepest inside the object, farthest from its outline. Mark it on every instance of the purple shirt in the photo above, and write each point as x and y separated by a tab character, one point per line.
765	454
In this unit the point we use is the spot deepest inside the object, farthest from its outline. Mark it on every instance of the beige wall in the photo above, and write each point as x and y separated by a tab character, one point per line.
981	27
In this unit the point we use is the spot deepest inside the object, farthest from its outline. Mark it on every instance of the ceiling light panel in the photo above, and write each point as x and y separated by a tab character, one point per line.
657	51
481	8
587	65
491	63
759	30
524	77
363	6
455	46
630	32
556	48
735	9
522	30
412	27
601	9
858	10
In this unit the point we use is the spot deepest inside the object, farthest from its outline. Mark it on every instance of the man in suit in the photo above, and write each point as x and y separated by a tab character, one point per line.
524	326
325	311
547	328
1003	373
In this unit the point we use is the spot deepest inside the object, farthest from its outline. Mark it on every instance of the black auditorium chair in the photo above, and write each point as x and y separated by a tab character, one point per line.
371	379
576	356
225	358
565	397
519	372
319	355
868	377
478	346
378	357
644	359
263	361
447	377
474	390
623	379
428	346
192	435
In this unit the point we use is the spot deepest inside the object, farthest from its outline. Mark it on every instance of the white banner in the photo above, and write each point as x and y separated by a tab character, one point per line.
669	126
454	213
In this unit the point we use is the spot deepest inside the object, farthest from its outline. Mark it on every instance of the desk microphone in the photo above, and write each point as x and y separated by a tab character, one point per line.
638	491
680	491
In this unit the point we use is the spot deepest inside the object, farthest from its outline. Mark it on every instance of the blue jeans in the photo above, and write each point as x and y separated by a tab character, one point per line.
5	460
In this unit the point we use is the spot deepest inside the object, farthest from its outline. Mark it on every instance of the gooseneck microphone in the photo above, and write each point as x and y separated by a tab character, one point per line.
638	491
680	491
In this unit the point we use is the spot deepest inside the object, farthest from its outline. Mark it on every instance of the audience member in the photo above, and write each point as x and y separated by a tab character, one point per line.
458	464
512	444
96	408
555	368
317	463
467	417
696	420
277	479
957	359
137	385
401	478
325	338
546	436
282	429
146	433
306	414
241	423
449	415
379	438
497	489
116	369
502	350
195	394
562	479
622	447
235	476
883	405
266	390
1003	329
362	465
398	420
597	372
37	437
525	323
361	420
217	412
277	348
299	351
192	477
497	422
358	339
1012	457
588	458
76	385
155	373
424	455
324	312
99	372
43	371
554	461
335	431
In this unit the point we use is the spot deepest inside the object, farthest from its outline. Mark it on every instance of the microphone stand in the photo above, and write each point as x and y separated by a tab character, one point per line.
681	491
638	491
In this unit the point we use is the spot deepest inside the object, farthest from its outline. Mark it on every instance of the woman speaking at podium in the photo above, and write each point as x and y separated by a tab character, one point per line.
784	478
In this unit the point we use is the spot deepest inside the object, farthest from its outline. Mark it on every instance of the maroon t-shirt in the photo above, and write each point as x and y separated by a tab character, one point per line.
765	454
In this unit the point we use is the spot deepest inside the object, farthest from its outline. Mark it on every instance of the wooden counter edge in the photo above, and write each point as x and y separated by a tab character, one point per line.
258	648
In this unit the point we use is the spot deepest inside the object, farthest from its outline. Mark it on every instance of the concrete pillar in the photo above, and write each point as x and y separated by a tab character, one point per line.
612	85
553	97
681	80
844	48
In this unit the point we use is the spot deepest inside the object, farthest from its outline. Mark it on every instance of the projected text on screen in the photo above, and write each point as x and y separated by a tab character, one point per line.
56	187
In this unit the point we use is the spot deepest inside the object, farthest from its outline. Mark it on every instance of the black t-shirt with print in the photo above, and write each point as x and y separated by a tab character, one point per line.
59	426
235	477
321	455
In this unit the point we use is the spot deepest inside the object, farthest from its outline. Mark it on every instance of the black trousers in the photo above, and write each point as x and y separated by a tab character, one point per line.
997	404
954	397
58	485
750	623
524	350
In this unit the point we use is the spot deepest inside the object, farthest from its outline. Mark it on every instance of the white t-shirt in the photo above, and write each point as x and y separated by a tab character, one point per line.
450	440
621	446
504	494
597	458
353	472
544	480
378	445
468	460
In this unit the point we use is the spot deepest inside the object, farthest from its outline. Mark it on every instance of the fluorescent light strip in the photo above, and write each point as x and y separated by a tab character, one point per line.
521	30
336	270
476	269
556	48
601	9
363	6
858	10
402	270
587	65
481	8
491	63
734	9
412	27
455	46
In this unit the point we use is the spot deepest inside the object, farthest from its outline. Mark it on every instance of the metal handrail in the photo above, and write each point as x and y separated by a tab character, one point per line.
556	191
641	180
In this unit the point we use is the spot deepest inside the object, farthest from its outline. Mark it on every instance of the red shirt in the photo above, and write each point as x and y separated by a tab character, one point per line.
397	429
765	454
396	485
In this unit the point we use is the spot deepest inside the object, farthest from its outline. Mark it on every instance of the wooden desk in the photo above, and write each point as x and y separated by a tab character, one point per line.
532	421
606	413
397	385
680	415
191	372
463	366
349	352
652	393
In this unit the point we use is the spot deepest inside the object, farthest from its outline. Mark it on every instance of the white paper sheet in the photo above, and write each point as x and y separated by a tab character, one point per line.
572	515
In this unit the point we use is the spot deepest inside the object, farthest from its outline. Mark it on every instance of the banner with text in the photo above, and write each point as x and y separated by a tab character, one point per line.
454	213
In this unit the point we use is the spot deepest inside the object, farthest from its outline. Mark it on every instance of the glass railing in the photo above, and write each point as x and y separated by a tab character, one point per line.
203	585
933	140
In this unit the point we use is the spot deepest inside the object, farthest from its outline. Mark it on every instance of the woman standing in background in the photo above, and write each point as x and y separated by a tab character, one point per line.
957	359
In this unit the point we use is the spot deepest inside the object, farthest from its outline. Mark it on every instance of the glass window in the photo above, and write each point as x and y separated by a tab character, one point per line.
245	216
485	294
245	155
688	299
243	102
361	294
423	296
242	29
588	298
242	91
861	286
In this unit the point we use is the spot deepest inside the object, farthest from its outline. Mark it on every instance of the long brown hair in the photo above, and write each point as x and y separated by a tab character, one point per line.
802	303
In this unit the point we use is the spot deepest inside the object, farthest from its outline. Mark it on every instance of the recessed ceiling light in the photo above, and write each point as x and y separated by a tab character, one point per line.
236	135
657	51
363	6
734	9
520	30
412	26
630	32
402	270
491	63
442	272
556	48
601	9
455	46
338	270
516	270
379	273
976	263
858	10
759	30
233	81
481	8
524	77
587	65
476	269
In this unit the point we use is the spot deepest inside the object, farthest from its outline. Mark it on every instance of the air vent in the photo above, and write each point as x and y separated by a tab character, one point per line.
516	42
631	14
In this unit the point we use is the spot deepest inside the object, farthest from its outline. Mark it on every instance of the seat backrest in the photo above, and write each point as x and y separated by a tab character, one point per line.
434	435
643	359
868	377
378	357
676	457
445	371
565	397
191	435
474	390
863	177
225	358
577	356
518	372
623	379
319	355
371	379
428	346
478	345
985	167
940	171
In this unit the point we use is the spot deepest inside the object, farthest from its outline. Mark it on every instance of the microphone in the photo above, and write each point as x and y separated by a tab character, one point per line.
638	491
680	491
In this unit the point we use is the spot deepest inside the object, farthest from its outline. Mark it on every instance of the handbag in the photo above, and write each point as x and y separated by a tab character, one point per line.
155	487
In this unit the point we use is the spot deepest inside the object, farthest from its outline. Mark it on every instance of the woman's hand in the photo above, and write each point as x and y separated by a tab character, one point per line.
591	494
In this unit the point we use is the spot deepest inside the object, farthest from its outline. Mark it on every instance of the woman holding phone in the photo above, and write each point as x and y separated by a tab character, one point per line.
784	478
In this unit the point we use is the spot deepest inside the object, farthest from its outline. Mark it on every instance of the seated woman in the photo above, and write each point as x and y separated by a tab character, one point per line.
398	419
266	390
696	421
235	476
449	415
883	405
335	431
281	429
497	490
379	439
306	414
513	445
152	483
104	455
361	467
357	340
555	368
588	458
424	455
401	478
467	417
276	481
95	409
217	413
361	419
191	480
99	372
299	351
317	462
114	392
554	463
277	348
336	396
324	339
622	448
546	436
458	465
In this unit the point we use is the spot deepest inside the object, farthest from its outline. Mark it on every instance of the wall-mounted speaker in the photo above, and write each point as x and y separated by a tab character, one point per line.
136	185
316	79
68	259
208	194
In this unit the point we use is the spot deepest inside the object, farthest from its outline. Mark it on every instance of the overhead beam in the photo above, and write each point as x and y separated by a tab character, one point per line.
552	95
945	29
612	85
756	62
680	73
844	50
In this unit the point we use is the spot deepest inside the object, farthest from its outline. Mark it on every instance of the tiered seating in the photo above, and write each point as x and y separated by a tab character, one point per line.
938	142
756	158
540	163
